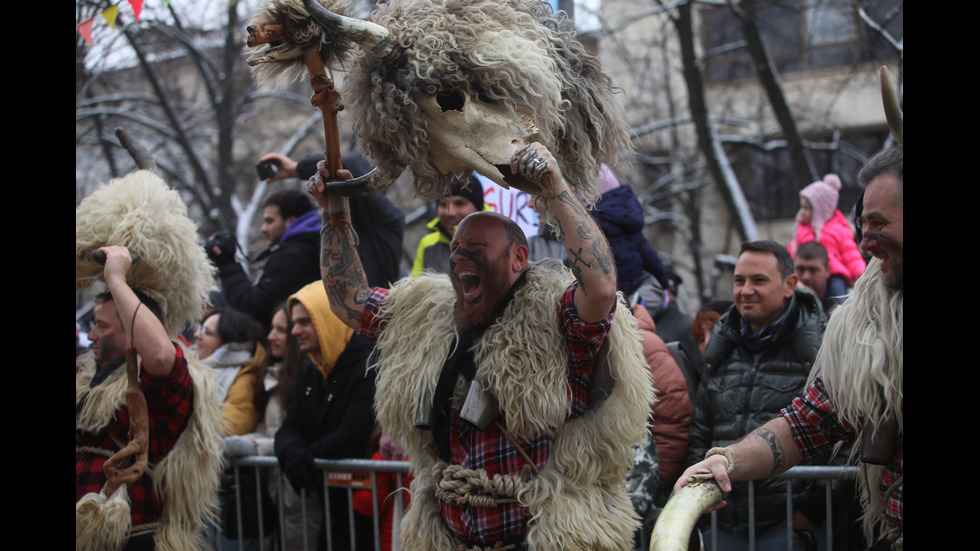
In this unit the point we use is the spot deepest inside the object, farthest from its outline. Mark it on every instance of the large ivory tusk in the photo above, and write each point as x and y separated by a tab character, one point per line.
676	522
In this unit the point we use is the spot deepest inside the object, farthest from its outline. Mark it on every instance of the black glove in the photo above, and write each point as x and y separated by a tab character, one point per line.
300	471
225	244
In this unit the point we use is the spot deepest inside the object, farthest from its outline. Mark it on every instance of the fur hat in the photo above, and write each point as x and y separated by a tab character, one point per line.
823	196
140	212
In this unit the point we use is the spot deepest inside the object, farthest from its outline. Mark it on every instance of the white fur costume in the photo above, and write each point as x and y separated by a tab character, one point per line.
140	212
186	478
861	362
579	500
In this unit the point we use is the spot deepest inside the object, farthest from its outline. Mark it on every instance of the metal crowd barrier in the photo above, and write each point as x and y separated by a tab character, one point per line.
358	474
349	474
827	474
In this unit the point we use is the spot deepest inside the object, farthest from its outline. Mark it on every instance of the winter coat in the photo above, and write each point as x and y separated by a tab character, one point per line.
620	217
433	251
740	391
289	265
673	410
835	236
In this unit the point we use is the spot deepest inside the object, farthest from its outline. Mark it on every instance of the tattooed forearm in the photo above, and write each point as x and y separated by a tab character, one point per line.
573	204
775	446
343	276
588	252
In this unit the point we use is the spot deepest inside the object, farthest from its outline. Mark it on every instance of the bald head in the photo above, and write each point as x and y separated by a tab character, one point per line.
495	222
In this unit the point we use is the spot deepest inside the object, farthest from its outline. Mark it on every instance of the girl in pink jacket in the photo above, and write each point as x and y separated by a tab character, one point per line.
820	220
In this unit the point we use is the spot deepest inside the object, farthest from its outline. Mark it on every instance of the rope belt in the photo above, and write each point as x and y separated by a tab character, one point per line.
455	486
148	528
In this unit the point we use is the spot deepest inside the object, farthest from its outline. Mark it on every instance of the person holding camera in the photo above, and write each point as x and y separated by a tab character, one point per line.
292	227
379	224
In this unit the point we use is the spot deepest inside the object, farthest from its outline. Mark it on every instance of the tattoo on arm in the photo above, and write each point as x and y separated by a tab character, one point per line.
593	251
346	282
775	446
572	203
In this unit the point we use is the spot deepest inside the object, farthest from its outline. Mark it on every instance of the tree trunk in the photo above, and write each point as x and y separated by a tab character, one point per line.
803	168
718	166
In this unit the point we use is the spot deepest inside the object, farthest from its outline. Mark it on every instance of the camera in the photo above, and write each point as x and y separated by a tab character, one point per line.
266	169
225	243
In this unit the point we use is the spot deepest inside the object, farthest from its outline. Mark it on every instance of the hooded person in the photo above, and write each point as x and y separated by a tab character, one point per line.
157	403
331	414
291	227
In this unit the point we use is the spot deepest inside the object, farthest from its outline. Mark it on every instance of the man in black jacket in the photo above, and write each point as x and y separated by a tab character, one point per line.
292	228
758	357
331	416
379	224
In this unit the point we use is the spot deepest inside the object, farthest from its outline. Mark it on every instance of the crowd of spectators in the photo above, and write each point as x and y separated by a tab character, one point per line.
293	378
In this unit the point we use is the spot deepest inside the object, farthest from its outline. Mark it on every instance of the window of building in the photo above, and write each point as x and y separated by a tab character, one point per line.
800	35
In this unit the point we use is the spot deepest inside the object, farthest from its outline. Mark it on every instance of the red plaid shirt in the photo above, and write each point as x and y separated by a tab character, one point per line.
170	404
816	427
490	449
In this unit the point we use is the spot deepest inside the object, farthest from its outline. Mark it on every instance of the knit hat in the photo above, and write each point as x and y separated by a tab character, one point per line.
470	189
823	196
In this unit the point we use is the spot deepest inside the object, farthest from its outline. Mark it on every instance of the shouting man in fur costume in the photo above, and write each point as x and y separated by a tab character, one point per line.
856	387
147	418
518	390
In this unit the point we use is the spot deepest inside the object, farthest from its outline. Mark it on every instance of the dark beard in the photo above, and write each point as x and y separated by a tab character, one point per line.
475	321
478	315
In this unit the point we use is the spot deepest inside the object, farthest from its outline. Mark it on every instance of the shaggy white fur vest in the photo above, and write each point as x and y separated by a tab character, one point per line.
186	478
579	500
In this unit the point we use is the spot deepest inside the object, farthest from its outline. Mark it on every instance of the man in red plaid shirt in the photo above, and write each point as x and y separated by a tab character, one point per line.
165	381
148	440
505	327
845	399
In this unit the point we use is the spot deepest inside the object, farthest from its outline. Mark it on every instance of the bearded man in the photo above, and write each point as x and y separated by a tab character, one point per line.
856	387
518	390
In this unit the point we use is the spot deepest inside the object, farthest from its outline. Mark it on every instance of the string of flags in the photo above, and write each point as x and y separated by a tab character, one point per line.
109	14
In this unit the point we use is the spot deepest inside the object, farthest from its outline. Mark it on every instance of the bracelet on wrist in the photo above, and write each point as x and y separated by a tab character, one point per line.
727	452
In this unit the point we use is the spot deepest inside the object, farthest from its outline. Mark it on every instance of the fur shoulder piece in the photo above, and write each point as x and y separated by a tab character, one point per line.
187	478
141	213
525	350
412	349
579	500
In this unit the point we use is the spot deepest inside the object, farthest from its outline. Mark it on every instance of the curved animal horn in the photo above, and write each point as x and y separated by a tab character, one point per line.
676	522
893	109
370	183
371	36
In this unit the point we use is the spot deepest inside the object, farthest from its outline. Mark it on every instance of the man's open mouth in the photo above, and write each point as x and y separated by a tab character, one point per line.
470	283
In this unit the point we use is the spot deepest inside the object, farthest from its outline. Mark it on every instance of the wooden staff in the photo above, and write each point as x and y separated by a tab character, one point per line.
327	99
128	464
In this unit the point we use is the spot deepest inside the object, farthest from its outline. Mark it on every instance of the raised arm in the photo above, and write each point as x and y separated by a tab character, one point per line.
144	330
589	255
340	267
766	451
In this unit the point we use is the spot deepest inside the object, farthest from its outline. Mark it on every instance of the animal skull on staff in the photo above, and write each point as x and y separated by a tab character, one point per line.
448	86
